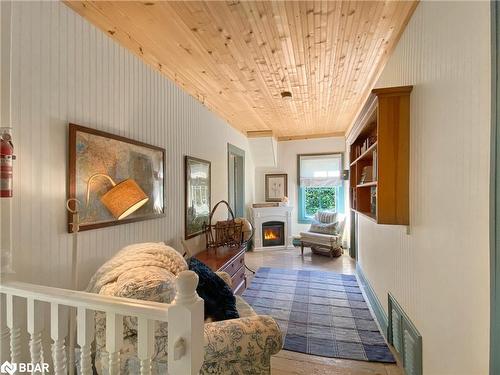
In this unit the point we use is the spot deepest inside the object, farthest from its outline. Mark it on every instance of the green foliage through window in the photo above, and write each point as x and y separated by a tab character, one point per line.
319	198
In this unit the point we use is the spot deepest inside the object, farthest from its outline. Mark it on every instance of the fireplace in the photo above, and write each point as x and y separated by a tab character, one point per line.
273	233
264	217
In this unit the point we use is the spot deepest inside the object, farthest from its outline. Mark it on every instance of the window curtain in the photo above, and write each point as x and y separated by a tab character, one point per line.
320	170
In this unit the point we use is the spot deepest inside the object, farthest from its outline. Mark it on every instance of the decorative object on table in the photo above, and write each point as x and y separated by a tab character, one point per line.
197	183
366	174
224	232
246	229
95	152
276	187
343	326
121	200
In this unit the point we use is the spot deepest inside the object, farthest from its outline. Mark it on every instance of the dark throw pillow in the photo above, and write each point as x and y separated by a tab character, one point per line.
220	303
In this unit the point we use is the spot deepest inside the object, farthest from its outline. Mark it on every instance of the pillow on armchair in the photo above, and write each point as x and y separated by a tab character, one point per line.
326	217
324	228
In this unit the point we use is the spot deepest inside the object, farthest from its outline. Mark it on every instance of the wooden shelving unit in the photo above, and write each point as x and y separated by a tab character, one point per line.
368	154
379	150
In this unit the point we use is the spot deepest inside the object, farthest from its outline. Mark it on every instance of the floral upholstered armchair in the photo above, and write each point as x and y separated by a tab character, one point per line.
241	346
237	346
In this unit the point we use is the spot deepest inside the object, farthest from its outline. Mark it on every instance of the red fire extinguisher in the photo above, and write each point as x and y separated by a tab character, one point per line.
6	164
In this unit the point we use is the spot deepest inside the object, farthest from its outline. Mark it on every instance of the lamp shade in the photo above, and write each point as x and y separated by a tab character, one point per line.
124	199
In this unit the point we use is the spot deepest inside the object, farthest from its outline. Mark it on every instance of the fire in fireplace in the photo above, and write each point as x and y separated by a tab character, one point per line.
273	233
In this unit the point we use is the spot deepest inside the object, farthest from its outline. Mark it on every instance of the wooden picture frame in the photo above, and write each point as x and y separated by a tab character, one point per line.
276	187
197	195
93	151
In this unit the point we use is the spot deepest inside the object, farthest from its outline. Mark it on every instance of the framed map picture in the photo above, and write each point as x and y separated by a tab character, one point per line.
276	187
92	151
197	195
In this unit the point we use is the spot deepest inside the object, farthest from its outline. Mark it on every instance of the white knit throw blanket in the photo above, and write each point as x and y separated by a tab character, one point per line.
137	256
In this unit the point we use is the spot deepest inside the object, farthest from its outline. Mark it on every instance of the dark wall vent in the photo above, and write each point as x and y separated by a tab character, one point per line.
405	338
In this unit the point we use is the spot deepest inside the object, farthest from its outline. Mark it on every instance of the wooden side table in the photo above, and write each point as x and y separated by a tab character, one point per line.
227	259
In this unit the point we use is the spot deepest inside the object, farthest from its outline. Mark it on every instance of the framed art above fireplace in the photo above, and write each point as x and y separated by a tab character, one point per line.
276	187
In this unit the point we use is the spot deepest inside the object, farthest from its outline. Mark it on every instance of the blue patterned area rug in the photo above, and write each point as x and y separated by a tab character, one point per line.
320	313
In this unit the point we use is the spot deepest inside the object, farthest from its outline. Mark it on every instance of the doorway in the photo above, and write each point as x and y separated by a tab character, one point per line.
236	179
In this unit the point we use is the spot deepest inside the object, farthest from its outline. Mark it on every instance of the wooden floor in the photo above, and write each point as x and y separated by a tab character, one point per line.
291	363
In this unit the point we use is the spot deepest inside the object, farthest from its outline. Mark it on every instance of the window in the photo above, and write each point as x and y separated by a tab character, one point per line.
320	184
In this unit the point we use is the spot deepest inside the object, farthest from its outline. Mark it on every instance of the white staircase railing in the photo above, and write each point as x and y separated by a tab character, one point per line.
24	311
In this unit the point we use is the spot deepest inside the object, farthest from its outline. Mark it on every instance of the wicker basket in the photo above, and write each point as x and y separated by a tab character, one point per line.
223	233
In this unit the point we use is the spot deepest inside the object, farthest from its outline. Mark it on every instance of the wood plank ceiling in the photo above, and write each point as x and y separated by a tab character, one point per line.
238	57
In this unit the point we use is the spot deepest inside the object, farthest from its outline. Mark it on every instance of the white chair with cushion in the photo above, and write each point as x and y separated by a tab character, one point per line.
325	235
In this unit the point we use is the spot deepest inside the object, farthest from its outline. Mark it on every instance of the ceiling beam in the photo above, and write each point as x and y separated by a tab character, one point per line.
310	136
259	133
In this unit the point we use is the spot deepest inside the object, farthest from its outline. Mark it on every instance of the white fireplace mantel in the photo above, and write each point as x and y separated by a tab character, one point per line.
265	214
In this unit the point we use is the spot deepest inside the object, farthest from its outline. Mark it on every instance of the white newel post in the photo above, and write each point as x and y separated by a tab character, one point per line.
185	327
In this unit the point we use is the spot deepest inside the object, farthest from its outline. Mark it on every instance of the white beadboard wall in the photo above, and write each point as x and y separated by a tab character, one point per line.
439	272
65	70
